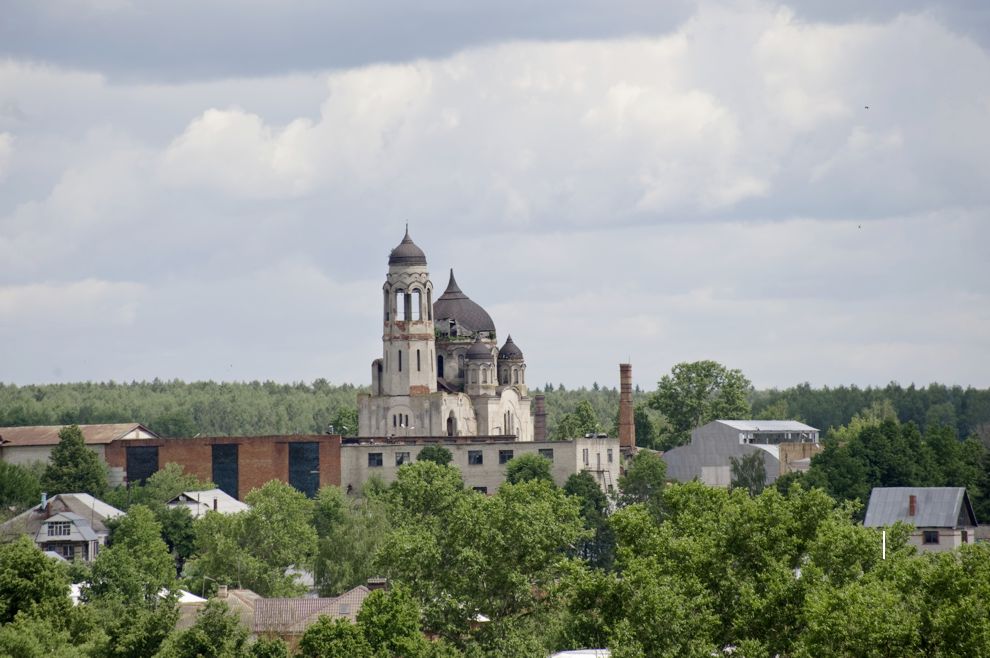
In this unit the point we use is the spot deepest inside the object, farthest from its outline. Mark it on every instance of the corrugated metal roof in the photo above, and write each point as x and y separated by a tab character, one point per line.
294	616
935	507
768	425
46	435
201	502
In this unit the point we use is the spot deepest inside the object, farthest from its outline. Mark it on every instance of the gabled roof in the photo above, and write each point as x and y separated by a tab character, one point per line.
93	510
768	425
201	502
81	530
47	435
294	616
935	507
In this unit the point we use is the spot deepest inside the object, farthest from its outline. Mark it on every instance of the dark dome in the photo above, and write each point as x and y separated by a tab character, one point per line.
455	305
510	351
407	253
479	351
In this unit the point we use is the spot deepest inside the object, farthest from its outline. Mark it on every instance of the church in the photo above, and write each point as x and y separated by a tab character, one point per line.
442	372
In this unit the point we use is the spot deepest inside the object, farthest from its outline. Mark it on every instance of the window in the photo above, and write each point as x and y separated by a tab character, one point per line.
68	551
400	305
418	367
402	458
400	360
547	453
965	537
475	458
930	536
416	304
395	422
609	454
504	456
584	456
375	459
481	490
59	529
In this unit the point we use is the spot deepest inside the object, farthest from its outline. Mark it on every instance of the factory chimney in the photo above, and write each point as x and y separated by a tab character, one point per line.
540	418
627	427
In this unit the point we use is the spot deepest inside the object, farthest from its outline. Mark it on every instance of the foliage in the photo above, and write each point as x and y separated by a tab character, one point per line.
74	468
435	453
20	487
749	472
255	548
580	422
269	647
334	638
216	633
30	636
697	393
390	622
598	549
349	531
644	479
136	565
30	581
526	467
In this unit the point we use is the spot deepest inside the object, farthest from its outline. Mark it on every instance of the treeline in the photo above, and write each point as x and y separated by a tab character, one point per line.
176	408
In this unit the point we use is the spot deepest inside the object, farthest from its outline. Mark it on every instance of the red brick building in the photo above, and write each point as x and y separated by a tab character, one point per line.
237	464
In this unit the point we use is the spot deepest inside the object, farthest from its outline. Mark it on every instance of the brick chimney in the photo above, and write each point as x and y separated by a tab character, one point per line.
540	418
627	427
912	505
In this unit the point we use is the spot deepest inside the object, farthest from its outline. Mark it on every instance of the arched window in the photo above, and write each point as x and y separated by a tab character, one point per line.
417	304
460	366
387	314
515	376
378	380
439	365
418	368
429	305
451	425
484	376
400	305
474	376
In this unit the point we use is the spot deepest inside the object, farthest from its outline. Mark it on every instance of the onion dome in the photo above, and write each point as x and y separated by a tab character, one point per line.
509	351
455	305
407	253
479	351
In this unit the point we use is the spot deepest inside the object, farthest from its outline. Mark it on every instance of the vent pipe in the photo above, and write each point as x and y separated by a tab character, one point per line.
627	426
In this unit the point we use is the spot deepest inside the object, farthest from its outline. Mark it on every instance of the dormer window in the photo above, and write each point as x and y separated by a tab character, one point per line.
59	529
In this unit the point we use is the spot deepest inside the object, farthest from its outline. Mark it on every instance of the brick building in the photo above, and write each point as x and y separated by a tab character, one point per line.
237	464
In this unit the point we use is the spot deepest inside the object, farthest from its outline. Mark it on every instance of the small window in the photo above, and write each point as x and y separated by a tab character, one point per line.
395	421
930	536
59	529
481	490
584	456
400	360
609	453
547	453
475	458
402	458
418	366
504	456
375	459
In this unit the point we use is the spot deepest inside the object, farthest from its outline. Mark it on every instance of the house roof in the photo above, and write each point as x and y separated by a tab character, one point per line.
935	507
93	510
768	425
294	616
201	502
81	530
47	435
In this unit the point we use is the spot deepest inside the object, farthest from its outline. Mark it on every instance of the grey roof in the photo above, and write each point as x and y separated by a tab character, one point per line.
201	502
453	304
768	425
294	616
479	351
407	253
935	507
80	530
92	509
510	351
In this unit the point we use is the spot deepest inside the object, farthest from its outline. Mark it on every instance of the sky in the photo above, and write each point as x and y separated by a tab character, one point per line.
210	190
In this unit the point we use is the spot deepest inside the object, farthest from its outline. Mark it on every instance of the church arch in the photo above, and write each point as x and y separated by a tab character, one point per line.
451	425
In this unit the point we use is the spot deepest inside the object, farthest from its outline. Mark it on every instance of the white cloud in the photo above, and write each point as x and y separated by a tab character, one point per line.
6	152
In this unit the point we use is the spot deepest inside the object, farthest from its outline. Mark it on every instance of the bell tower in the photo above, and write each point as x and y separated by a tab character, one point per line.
408	363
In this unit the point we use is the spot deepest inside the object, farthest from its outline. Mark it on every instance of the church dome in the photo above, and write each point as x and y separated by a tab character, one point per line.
479	351
407	253
510	351
455	305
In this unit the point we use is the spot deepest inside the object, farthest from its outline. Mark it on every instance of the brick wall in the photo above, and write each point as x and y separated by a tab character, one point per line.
259	458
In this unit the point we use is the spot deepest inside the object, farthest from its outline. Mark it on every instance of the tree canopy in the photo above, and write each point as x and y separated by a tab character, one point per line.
74	468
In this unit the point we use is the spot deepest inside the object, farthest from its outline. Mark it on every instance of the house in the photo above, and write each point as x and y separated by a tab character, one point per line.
201	502
21	445
73	525
942	517
784	446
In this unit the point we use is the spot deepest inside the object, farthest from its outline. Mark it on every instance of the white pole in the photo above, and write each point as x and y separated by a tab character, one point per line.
883	545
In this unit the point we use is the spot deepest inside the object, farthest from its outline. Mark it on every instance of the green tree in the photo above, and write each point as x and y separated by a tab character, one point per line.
334	638
436	454
136	565
644	480
269	647
216	633
349	531
30	581
697	393
599	548
20	488
528	466
580	422
748	472
74	468
29	636
390	622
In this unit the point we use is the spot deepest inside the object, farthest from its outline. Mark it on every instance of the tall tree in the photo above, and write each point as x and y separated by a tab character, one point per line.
749	472
74	468
644	480
697	393
529	466
216	633
436	454
30	581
